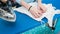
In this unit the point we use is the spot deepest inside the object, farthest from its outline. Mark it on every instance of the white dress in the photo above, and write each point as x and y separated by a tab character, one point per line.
28	1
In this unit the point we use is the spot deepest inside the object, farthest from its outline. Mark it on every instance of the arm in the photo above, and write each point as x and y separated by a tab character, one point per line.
41	6
39	1
25	4
33	10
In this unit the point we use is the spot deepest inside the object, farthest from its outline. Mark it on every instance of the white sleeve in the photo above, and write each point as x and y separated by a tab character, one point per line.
18	1
28	1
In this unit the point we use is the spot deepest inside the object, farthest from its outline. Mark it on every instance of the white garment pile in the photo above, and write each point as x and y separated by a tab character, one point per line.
49	13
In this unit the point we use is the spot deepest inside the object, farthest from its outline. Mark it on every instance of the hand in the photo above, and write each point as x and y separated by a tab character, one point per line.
35	12
42	8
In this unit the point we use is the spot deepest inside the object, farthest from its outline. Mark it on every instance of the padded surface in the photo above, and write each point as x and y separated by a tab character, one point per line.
22	24
57	30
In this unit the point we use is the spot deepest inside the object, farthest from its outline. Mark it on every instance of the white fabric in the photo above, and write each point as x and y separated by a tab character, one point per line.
18	1
49	13
28	1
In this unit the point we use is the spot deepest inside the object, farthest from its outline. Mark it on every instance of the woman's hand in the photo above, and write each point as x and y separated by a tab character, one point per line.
42	7
35	12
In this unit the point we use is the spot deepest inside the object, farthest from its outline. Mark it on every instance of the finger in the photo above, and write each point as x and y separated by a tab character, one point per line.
38	15
40	11
34	14
43	8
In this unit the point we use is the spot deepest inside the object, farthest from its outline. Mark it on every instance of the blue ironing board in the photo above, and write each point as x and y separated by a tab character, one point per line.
21	24
57	27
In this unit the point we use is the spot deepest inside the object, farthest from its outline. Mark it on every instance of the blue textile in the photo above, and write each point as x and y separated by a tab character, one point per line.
57	26
23	23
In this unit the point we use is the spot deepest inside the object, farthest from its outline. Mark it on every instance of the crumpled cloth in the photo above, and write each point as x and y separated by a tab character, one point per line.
50	12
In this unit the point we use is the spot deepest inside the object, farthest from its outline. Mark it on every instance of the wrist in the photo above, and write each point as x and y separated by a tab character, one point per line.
29	8
40	4
39	1
25	4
